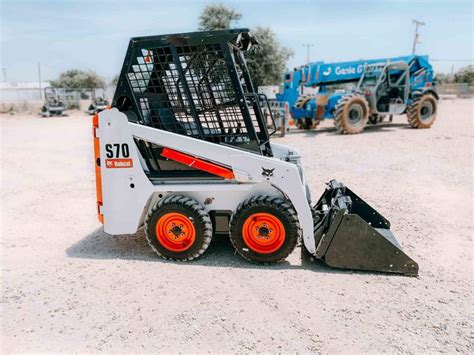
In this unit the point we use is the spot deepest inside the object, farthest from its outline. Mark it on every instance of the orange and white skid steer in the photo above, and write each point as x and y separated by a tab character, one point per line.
185	151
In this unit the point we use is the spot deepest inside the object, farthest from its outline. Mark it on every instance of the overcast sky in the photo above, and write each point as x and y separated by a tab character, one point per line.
94	34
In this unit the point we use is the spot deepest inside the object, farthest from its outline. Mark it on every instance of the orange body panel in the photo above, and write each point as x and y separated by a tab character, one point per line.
98	177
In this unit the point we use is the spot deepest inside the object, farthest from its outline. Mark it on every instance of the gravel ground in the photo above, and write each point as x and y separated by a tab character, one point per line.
68	287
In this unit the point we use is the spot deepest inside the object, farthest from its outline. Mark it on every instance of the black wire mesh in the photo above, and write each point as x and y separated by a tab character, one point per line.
188	90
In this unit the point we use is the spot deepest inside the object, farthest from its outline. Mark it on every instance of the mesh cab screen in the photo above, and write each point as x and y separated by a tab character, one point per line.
198	87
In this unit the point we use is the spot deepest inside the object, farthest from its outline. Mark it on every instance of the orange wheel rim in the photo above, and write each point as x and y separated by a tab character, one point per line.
263	233
175	232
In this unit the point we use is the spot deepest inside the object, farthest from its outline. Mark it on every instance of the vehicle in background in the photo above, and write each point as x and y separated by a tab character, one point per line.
279	111
97	106
53	105
380	88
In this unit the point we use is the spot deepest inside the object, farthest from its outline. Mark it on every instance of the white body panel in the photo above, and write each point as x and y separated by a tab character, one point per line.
124	206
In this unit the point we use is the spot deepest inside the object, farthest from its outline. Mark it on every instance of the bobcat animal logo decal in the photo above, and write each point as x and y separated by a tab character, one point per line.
267	172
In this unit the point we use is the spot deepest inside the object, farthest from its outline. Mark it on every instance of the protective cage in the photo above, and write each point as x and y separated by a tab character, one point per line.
194	84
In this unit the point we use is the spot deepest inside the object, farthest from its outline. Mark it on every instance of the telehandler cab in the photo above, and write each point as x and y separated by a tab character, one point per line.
185	151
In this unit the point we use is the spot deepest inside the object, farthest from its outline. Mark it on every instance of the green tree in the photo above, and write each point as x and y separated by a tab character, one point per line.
77	79
267	62
115	80
465	75
217	17
442	78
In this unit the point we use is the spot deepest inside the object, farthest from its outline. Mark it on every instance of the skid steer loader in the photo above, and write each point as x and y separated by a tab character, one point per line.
185	152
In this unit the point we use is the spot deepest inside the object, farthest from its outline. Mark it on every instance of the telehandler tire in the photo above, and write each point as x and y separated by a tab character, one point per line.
307	123
304	123
422	112
351	114
178	228
264	229
303	100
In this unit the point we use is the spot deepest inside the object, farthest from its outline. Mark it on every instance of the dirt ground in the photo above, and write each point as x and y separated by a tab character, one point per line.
68	287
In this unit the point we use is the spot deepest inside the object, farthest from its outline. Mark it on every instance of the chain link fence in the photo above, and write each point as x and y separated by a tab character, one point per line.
455	90
30	100
25	94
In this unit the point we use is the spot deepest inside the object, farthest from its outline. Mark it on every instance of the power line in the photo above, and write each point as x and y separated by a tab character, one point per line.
452	60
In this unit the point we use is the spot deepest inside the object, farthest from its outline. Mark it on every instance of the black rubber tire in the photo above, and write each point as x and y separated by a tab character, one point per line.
374	119
195	212
303	100
279	208
305	123
342	119
414	111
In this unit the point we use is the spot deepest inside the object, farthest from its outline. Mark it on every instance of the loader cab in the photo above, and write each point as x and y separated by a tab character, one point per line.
193	84
386	87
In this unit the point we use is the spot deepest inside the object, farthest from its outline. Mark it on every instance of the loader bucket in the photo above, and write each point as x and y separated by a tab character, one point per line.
350	234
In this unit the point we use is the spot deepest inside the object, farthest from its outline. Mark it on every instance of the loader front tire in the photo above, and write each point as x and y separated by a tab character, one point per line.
264	229
422	111
178	228
351	114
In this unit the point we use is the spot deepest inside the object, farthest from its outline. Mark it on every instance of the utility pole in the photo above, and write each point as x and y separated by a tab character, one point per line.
39	81
307	45
416	39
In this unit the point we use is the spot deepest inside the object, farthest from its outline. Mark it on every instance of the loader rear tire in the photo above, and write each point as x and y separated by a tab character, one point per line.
178	228
422	111
351	114
264	229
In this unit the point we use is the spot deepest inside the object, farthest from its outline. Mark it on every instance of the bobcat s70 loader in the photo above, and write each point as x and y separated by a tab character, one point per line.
185	151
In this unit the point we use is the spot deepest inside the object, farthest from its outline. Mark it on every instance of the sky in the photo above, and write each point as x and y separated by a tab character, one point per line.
94	34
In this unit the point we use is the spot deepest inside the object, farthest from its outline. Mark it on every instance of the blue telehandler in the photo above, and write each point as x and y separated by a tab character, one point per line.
383	87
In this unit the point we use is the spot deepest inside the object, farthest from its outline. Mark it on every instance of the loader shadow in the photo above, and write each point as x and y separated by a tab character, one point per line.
99	245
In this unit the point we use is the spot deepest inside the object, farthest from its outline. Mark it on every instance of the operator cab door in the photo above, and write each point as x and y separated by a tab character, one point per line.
392	89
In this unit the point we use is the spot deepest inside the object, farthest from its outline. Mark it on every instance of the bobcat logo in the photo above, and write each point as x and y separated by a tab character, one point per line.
267	172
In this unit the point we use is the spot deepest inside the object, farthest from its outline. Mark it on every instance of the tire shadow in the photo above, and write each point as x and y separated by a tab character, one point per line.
100	245
377	128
